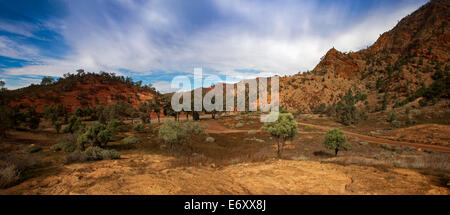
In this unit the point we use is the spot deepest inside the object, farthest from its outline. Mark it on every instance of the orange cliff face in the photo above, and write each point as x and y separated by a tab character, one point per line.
336	61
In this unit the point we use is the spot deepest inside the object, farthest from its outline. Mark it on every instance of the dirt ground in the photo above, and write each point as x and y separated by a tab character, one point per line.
240	161
433	134
149	174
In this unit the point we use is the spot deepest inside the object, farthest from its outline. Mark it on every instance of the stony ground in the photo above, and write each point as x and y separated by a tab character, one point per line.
149	174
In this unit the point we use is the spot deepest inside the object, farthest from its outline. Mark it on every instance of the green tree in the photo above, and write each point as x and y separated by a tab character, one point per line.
146	109
79	112
74	125
167	108
336	140
346	110
96	134
157	106
283	129
31	117
51	113
47	81
58	125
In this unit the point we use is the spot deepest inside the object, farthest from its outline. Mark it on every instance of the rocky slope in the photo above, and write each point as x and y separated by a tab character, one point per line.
82	90
394	68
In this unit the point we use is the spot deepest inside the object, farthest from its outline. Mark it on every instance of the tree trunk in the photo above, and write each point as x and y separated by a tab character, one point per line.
195	116
278	148
336	152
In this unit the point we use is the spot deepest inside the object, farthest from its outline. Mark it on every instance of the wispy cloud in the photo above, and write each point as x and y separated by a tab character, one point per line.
230	37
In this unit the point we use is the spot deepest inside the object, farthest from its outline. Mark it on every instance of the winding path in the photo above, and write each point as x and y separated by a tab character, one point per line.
216	128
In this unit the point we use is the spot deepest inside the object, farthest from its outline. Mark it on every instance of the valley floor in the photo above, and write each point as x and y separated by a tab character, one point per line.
240	161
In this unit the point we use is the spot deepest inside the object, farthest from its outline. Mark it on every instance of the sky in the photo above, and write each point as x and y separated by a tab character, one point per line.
154	41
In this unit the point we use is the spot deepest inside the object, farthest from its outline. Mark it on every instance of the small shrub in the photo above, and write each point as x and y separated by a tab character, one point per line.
96	134
13	166
387	147
110	154
75	124
210	139
410	121
9	176
239	125
395	124
94	153
75	157
139	128
32	149
131	140
177	134
58	125
114	125
392	118
252	132
65	146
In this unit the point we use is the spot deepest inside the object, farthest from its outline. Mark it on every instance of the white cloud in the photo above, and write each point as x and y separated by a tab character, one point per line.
12	49
164	86
272	37
15	27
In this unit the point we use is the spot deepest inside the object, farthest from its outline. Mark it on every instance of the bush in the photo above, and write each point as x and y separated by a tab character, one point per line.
210	139
392	118
169	132
94	153
239	125
395	124
9	176
139	128
336	140
74	125
12	165
252	132
110	154
76	156
173	133
131	140
409	121
65	146
346	110
58	125
96	134
32	149
114	125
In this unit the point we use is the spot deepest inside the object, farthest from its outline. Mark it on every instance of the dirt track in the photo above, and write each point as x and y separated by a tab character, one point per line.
383	141
215	128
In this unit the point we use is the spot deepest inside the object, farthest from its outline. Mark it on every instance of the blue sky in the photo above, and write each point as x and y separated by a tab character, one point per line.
154	41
